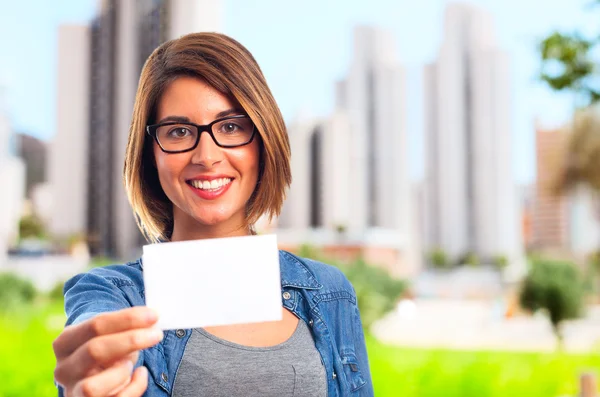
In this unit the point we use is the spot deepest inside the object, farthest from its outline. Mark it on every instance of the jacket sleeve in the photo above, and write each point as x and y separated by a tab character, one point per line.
361	354
89	294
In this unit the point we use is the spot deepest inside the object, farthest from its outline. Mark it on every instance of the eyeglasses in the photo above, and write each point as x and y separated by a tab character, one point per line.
177	137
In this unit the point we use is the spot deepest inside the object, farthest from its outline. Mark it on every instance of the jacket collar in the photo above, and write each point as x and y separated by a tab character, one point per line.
294	273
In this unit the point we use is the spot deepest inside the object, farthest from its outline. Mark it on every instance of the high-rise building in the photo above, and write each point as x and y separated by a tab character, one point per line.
121	38
372	95
33	151
471	196
12	174
550	210
350	169
68	157
321	187
350	190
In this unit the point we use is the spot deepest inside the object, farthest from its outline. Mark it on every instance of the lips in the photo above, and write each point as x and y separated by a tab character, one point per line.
209	184
210	188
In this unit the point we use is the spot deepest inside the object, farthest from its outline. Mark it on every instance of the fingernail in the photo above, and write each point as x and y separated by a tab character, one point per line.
151	315
155	334
129	366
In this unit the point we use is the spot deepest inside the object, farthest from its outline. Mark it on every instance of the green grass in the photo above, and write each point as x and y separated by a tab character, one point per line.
27	360
410	372
27	363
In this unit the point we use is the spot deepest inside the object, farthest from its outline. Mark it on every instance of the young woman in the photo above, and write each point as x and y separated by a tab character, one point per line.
208	154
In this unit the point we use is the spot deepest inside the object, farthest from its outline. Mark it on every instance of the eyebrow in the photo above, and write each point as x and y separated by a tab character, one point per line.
184	119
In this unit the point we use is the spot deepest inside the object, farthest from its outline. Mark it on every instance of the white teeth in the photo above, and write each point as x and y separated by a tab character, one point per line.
210	185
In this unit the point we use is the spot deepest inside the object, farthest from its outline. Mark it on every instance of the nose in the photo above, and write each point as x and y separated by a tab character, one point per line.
207	153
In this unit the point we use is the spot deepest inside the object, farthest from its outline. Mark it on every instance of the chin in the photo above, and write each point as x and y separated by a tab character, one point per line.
213	218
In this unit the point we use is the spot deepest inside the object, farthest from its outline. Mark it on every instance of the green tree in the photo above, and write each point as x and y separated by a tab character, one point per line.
556	288
439	259
567	65
472	259
570	64
15	292
31	226
500	261
376	291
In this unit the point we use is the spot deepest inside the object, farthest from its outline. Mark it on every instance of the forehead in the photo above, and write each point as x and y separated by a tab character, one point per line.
193	98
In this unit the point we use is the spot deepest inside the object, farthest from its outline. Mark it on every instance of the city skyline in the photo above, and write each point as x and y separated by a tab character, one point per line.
350	167
471	197
319	53
351	184
99	69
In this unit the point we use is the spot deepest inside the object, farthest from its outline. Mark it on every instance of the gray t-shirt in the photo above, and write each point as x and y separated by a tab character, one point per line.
214	367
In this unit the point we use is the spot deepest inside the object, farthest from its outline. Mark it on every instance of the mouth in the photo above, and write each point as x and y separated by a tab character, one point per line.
212	185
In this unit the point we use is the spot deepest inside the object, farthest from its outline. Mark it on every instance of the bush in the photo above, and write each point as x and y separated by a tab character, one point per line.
56	293
31	226
468	259
376	291
500	261
14	292
555	287
439	259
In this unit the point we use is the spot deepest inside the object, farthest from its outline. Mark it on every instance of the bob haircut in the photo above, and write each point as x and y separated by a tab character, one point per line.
229	68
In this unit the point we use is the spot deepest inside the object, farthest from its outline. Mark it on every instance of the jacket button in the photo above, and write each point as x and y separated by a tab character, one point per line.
334	375
310	322
287	295
164	377
180	333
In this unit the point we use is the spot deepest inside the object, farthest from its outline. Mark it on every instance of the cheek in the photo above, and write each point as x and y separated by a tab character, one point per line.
248	163
169	168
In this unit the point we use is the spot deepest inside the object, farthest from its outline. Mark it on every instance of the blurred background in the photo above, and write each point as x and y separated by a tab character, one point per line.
445	155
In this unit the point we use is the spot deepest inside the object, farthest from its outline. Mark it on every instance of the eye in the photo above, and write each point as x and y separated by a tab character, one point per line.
179	132
229	128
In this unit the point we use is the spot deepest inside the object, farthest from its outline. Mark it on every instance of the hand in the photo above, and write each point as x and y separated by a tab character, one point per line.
96	358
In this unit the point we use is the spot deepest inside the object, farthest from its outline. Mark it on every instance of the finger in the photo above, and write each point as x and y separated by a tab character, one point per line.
106	382
104	351
138	384
106	323
133	357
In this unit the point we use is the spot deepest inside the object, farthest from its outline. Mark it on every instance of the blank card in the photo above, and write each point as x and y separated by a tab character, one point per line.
213	282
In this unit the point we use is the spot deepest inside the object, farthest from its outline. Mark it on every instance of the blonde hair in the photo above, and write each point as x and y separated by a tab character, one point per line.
228	67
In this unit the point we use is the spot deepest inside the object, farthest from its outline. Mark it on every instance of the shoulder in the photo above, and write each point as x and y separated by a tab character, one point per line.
121	275
329	277
103	289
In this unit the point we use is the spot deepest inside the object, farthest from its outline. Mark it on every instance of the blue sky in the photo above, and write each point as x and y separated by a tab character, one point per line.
303	48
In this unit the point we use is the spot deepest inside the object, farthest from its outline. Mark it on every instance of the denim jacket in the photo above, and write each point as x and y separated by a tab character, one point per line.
315	292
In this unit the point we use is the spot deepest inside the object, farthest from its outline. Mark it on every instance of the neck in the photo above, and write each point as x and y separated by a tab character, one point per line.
199	232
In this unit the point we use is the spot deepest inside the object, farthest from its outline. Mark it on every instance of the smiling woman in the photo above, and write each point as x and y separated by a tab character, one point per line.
208	155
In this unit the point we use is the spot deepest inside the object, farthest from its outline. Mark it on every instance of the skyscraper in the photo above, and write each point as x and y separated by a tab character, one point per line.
550	210
33	152
122	37
350	187
12	174
68	152
322	184
372	95
350	169
471	196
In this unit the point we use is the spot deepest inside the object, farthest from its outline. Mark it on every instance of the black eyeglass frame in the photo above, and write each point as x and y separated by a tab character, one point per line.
152	131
